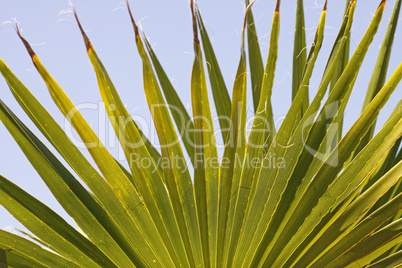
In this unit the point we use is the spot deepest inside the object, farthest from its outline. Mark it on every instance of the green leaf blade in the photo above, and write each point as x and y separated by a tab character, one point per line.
219	89
50	227
255	59
233	155
260	138
74	198
31	251
182	119
206	170
299	55
177	176
378	77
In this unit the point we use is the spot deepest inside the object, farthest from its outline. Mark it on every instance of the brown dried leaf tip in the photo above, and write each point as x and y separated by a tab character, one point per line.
195	30
137	34
278	4
84	35
382	3
24	41
325	5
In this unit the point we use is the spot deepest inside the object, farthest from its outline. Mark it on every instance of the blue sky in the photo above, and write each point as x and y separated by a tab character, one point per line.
55	37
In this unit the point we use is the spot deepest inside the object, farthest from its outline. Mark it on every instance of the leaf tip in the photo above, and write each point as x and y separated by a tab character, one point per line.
84	35
381	5
278	4
136	31
24	41
325	5
195	30
248	8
